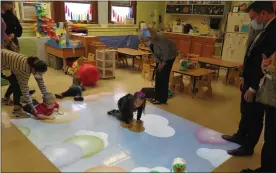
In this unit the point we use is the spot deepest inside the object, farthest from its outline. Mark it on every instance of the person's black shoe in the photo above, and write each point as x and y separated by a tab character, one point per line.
241	151
78	98
31	92
112	112
59	96
235	139
251	170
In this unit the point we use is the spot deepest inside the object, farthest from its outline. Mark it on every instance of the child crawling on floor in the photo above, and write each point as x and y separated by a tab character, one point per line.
45	109
74	91
129	104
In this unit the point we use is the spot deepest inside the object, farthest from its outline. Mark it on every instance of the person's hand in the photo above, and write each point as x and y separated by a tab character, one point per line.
249	95
11	37
55	109
34	111
160	66
52	117
128	126
140	122
266	62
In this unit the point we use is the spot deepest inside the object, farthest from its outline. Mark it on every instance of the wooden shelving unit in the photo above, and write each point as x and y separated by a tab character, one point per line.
105	62
211	10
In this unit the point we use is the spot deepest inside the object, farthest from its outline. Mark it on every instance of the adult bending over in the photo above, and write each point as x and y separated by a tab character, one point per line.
165	52
21	68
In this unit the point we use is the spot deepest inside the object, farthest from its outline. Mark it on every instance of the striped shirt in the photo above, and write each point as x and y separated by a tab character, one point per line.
18	65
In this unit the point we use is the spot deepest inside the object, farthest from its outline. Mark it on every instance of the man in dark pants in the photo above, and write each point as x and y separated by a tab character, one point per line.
251	123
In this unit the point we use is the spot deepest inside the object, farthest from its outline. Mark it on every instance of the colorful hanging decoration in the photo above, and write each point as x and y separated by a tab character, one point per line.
44	25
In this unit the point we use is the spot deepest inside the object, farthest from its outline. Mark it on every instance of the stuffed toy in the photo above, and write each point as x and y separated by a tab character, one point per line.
184	65
75	66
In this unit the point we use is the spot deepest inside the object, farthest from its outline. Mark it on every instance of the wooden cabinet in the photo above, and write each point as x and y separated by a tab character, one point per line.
207	50
184	45
196	48
202	46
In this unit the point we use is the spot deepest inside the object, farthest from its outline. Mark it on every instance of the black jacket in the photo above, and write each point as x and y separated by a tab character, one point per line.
12	23
266	44
126	108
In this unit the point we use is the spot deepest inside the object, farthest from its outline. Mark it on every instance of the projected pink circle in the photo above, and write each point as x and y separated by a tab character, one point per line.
208	136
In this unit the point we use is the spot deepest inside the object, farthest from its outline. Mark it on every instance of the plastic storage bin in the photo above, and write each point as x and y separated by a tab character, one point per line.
54	62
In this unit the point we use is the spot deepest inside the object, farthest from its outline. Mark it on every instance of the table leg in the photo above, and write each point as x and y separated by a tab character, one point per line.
194	85
133	58
227	75
64	65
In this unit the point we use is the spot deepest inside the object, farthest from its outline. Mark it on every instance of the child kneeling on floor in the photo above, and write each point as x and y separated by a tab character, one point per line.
74	91
46	109
129	104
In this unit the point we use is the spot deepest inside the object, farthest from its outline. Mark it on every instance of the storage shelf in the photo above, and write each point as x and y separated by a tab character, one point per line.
198	4
104	60
196	15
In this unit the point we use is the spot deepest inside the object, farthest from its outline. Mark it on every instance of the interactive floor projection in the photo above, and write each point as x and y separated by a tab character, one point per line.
86	139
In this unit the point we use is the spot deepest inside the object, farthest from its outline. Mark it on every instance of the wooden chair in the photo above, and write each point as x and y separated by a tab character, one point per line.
215	68
237	77
121	60
147	70
204	87
176	81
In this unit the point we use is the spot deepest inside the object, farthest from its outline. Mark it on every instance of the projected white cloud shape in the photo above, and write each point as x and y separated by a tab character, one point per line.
157	126
215	156
145	169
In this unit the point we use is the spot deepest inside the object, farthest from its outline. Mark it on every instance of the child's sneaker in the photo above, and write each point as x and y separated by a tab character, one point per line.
6	102
21	114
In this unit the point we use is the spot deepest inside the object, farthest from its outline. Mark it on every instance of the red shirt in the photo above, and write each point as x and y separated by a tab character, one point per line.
42	109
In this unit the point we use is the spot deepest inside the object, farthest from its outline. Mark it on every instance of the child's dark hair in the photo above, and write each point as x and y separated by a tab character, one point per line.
37	64
76	80
142	96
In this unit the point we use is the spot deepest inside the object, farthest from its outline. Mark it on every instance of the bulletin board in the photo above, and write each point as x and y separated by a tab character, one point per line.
28	11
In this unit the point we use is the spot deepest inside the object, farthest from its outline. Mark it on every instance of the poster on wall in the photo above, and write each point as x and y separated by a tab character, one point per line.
28	11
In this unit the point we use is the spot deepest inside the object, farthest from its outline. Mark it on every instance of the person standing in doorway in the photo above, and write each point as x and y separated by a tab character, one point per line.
250	127
165	52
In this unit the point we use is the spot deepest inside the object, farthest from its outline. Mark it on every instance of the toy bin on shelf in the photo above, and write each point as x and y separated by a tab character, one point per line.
105	62
54	62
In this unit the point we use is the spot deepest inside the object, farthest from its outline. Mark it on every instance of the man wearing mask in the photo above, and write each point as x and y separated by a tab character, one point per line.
250	127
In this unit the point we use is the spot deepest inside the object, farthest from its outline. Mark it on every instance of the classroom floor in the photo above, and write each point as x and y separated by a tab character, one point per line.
175	130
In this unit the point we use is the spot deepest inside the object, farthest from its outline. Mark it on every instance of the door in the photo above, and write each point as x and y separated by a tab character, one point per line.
196	48
207	50
185	46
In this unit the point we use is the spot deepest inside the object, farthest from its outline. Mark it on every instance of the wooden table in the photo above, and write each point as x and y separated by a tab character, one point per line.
133	53
195	74
86	40
64	53
220	63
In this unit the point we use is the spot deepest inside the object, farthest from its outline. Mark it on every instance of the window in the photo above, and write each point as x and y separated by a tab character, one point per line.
76	11
119	11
